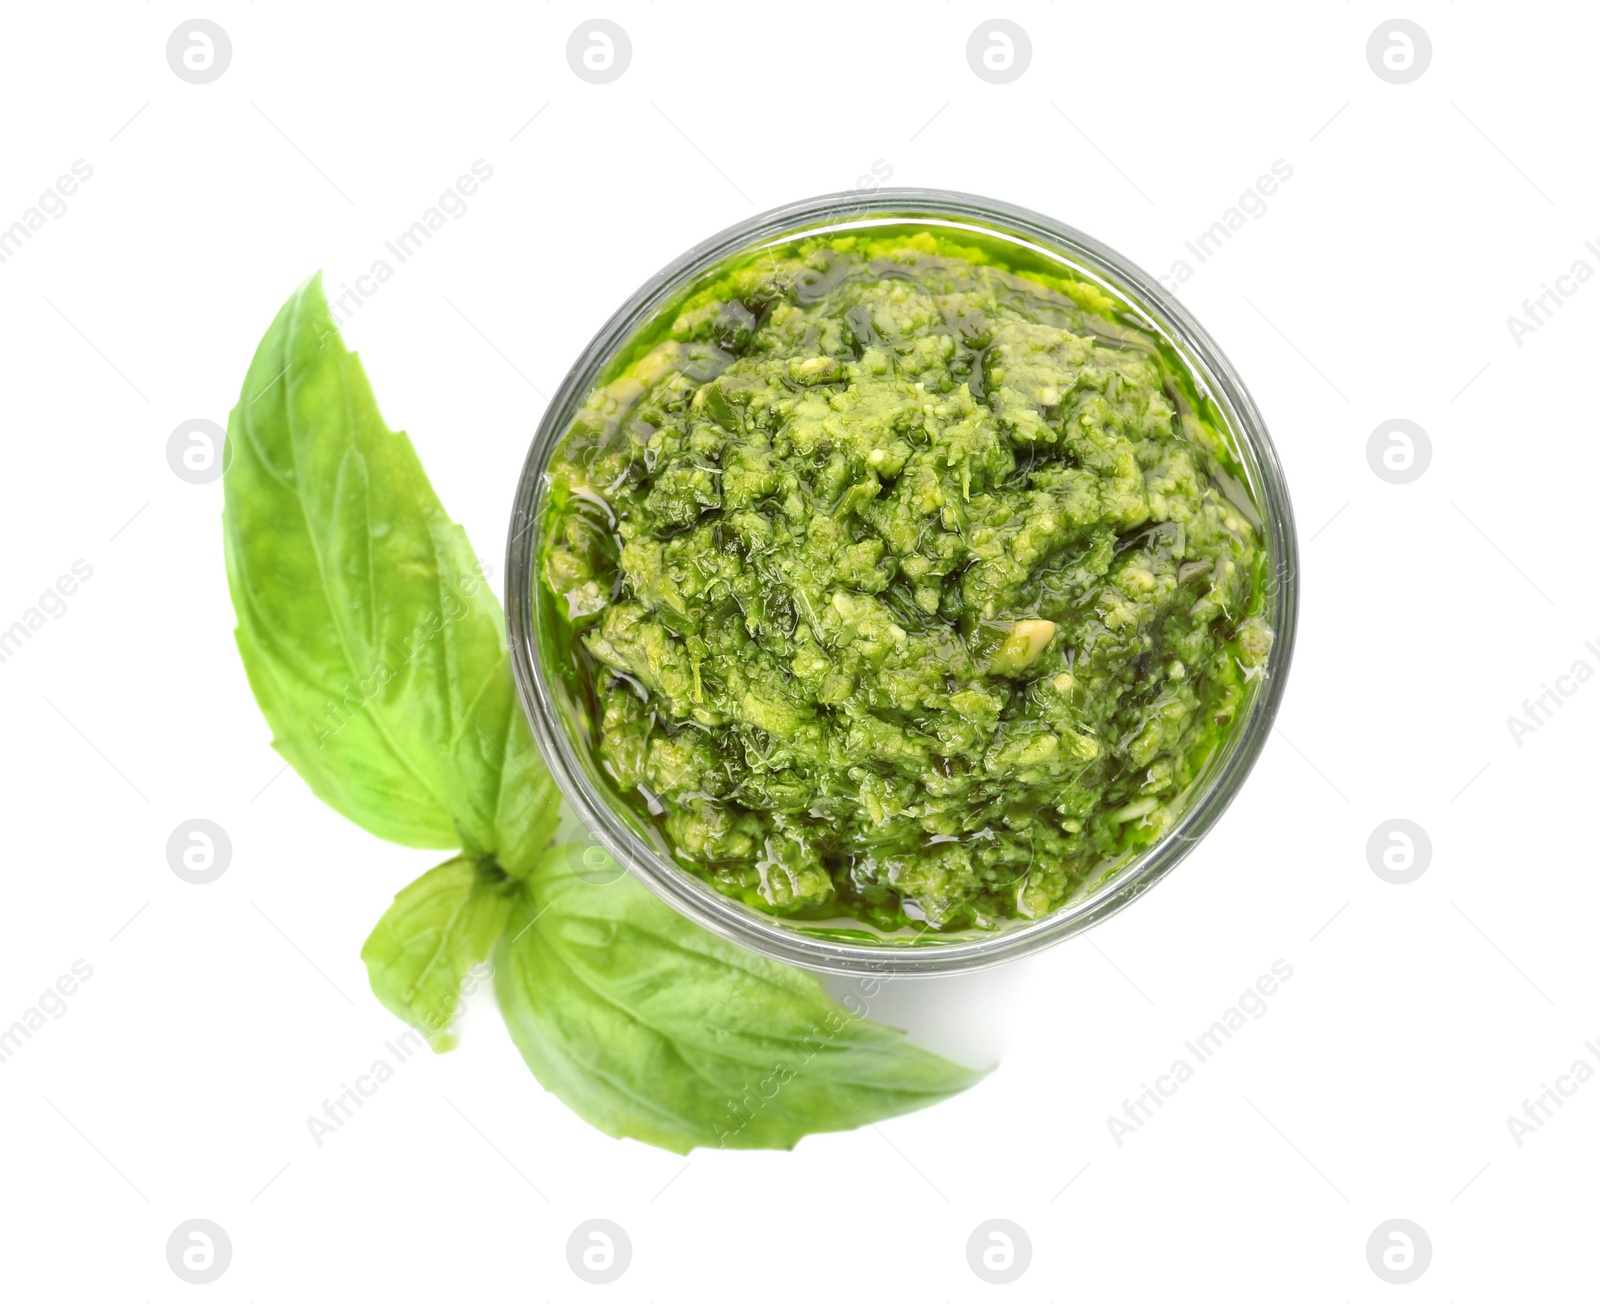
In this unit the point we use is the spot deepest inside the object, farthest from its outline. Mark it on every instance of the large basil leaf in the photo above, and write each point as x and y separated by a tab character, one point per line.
422	954
378	657
374	648
650	1027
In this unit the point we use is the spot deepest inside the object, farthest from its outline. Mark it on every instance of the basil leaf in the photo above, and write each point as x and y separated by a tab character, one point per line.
374	647
378	657
421	955
650	1027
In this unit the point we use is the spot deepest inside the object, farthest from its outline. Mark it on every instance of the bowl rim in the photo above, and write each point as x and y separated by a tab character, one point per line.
788	941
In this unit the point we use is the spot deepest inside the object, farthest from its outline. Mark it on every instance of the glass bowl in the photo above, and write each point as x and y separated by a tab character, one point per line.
847	946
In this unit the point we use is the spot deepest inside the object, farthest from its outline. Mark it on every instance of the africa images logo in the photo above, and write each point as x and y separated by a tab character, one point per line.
1252	1002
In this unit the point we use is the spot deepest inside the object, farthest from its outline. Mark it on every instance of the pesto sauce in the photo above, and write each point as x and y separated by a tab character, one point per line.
905	583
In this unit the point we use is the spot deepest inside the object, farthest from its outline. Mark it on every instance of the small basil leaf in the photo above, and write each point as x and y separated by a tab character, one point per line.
374	647
421	955
649	1027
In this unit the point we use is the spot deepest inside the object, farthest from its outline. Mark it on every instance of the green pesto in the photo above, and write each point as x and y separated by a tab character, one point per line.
904	584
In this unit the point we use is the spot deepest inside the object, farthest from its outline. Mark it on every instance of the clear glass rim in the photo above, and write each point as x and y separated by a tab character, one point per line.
771	935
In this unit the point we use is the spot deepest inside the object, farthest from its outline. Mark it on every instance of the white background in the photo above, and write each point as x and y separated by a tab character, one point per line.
1377	285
